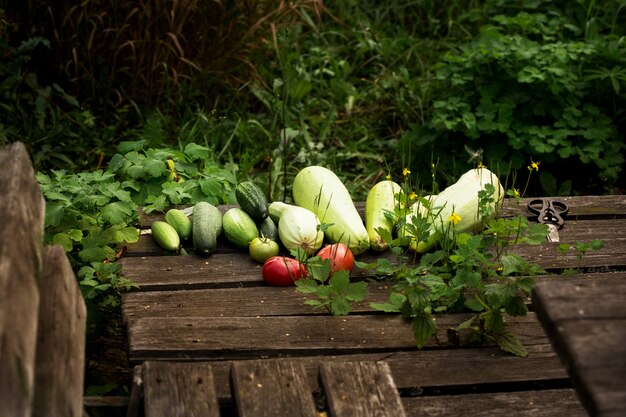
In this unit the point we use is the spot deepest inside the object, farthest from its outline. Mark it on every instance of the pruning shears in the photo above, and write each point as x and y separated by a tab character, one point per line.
550	213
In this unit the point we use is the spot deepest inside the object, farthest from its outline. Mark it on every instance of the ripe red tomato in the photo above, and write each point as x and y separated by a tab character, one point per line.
339	255
282	271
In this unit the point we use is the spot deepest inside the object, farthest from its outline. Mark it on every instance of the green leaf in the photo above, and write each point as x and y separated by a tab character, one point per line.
339	282
516	307
424	328
339	306
117	212
306	286
54	214
64	240
394	305
474	304
508	342
357	291
127	234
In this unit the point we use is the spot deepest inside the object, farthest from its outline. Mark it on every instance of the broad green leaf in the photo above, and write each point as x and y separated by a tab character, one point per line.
474	304
64	240
339	306
508	342
54	214
423	329
357	291
306	286
117	212
339	282
127	234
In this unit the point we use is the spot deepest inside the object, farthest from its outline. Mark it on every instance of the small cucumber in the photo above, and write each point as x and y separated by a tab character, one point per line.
381	198
239	228
252	200
179	221
268	229
165	235
206	227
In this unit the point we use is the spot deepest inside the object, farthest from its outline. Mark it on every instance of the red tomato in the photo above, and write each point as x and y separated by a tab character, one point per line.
339	255
282	271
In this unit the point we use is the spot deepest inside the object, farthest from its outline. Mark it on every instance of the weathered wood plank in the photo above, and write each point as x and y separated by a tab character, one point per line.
539	403
360	389
21	235
60	364
587	323
269	301
250	337
271	388
179	389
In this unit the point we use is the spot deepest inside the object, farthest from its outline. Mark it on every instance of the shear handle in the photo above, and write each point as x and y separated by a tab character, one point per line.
548	211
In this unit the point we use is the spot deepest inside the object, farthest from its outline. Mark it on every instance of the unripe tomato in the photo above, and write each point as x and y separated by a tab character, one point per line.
282	271
262	248
339	255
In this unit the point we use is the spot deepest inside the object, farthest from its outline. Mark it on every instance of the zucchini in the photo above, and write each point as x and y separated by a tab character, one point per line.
179	221
165	235
381	198
252	200
206	227
268	229
239	227
318	189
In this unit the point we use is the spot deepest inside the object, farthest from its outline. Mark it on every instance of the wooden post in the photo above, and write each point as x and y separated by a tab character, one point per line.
21	232
59	371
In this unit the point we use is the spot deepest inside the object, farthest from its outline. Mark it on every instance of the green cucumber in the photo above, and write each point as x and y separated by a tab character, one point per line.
239	227
165	235
179	221
252	200
206	227
268	229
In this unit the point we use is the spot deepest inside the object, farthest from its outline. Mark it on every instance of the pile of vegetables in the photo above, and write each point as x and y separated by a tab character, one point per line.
324	212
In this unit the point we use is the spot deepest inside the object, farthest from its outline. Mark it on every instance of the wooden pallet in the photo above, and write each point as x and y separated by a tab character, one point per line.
218	311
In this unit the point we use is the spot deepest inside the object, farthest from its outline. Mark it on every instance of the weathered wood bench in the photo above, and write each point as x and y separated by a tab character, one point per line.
217	311
42	313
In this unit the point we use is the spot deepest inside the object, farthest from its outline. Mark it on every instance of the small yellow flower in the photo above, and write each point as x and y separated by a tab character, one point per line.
516	192
388	177
533	165
500	268
481	165
406	171
454	218
412	196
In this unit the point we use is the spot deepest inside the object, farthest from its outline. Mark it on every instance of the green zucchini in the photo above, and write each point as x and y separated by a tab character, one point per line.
165	235
382	198
268	229
206	227
179	221
239	227
321	191
252	200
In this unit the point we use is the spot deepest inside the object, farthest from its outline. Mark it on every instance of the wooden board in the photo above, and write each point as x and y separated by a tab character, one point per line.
360	389
587	322
179	390
271	388
60	361
21	235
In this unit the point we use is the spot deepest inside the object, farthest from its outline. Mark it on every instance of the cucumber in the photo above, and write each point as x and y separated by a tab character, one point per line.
321	191
268	229
206	227
239	227
179	221
165	235
380	198
252	200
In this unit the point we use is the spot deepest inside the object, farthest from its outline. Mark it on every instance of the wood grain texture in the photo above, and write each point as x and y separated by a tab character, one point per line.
179	390
360	389
269	388
60	361
587	323
22	211
539	403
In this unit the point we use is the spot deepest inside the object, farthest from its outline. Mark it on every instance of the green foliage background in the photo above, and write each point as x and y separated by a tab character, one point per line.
382	84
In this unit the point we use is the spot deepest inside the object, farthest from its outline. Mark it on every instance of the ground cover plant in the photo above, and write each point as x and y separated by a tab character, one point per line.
129	104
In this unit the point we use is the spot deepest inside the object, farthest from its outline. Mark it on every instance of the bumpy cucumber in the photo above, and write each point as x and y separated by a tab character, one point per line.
380	199
179	221
165	235
252	200
206	227
239	227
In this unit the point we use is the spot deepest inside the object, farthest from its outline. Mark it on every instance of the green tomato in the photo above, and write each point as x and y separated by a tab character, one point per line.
262	248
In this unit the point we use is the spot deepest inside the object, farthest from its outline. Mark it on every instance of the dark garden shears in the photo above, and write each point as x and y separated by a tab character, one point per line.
550	213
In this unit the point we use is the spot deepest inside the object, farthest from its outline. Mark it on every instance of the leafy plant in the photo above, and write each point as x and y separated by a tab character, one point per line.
581	249
470	272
